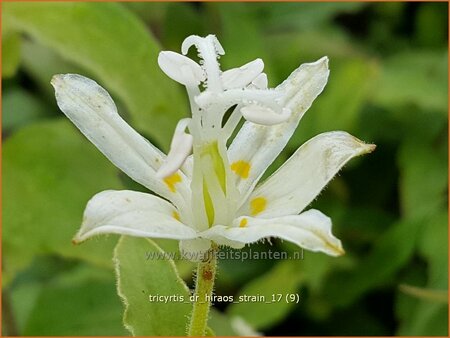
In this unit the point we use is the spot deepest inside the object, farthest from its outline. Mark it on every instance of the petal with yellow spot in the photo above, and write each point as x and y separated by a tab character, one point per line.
257	205
241	168
172	180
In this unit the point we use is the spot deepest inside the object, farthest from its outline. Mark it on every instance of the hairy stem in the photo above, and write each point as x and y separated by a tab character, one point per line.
206	273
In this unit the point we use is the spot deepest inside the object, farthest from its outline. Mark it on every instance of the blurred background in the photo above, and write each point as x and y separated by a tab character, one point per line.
388	86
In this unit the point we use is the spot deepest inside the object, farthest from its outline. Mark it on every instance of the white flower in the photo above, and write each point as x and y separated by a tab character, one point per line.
213	195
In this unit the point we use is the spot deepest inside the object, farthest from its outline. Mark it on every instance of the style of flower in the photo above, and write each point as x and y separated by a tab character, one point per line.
212	195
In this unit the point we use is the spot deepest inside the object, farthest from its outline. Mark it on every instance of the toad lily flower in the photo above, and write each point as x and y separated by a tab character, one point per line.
212	195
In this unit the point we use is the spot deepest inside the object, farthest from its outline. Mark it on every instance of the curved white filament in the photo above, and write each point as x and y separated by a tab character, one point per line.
180	148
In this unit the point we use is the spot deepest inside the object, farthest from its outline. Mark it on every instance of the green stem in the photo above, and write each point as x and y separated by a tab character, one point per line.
206	273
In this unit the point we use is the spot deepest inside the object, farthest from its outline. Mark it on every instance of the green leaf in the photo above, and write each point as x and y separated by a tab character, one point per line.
152	13
335	109
138	279
431	24
433	246
424	293
301	15
418	77
424	179
41	63
20	107
282	279
111	43
49	173
193	22
427	319
240	35
220	323
85	305
10	54
428	315
392	250
185	268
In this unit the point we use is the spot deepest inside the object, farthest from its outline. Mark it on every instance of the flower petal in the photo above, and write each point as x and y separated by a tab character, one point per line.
131	213
298	181
310	230
181	68
259	145
92	110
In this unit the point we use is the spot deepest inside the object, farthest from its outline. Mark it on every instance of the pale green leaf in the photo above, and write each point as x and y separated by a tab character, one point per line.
49	173
139	278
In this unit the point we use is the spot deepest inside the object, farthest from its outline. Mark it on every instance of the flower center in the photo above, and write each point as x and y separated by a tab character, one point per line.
244	88
210	155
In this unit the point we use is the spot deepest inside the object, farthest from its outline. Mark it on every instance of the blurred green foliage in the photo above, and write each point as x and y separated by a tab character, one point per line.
388	86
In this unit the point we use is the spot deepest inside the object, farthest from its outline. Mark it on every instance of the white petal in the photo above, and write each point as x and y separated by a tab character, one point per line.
295	184
131	213
92	110
259	145
195	250
262	115
181	68
180	149
310	230
242	76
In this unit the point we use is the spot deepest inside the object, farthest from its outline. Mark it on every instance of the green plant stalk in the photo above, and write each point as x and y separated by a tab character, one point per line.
206	273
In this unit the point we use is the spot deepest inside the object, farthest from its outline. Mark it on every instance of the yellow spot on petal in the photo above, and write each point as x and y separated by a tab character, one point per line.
241	168
176	215
243	223
257	205
172	180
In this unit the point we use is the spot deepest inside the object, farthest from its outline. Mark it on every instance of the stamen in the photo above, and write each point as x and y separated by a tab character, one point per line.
231	97
261	81
180	68
180	148
242	76
263	115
